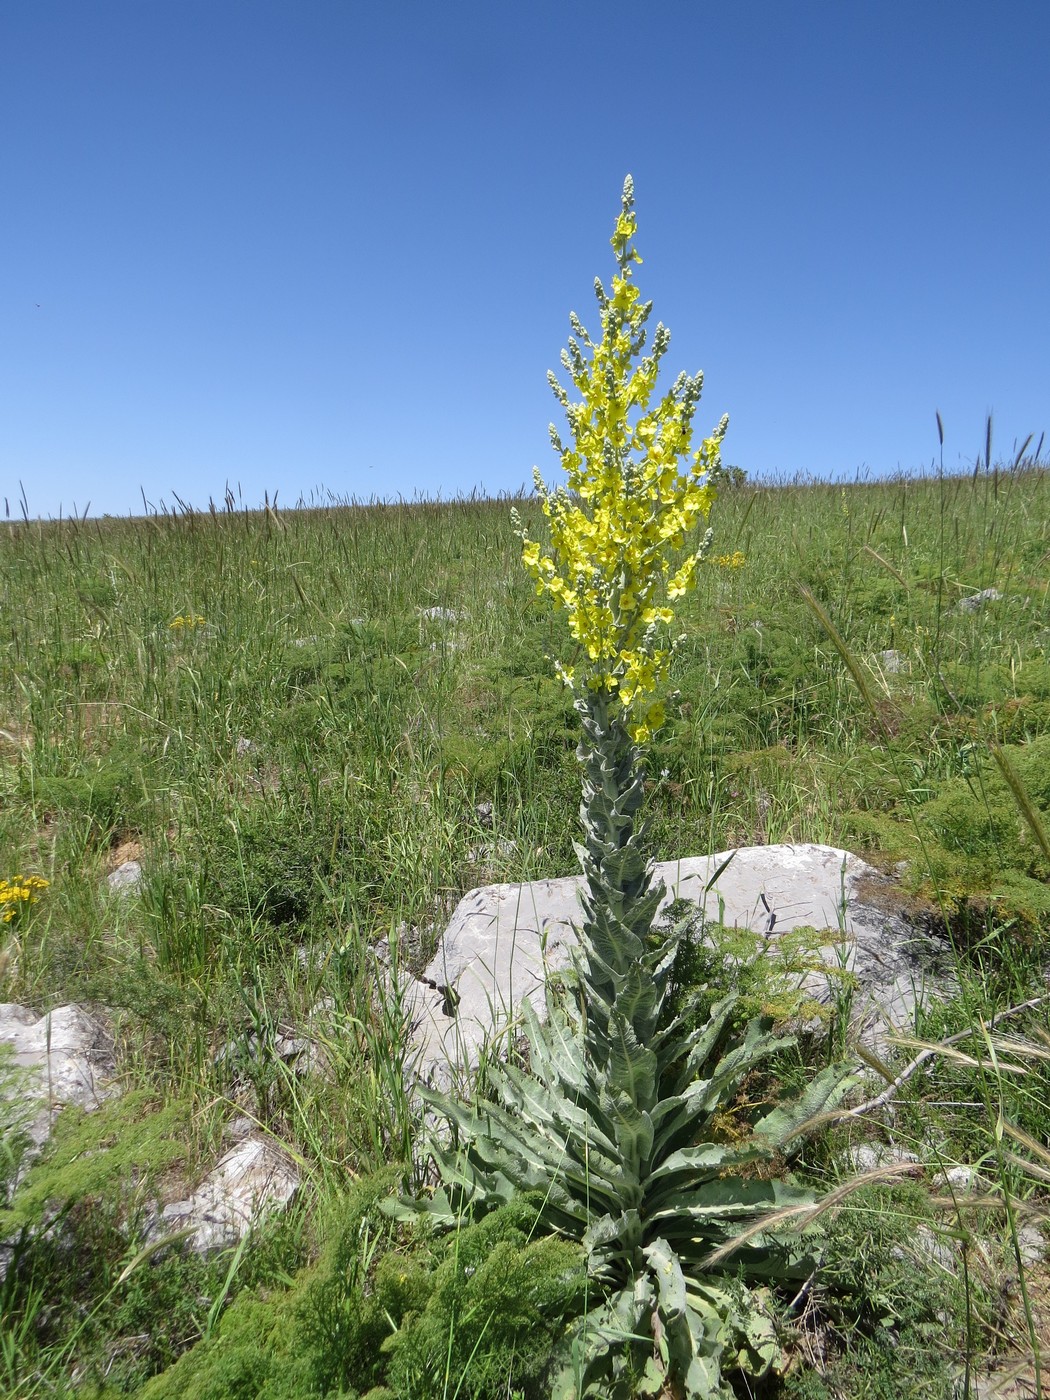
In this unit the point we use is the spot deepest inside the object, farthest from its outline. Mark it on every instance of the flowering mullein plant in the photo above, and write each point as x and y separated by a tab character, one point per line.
613	1125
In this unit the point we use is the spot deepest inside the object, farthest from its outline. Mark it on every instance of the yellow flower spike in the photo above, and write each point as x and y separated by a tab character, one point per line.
629	500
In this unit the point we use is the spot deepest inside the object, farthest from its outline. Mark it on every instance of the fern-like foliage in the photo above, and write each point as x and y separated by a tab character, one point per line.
613	1126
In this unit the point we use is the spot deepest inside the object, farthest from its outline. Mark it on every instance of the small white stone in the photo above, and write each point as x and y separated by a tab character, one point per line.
439	614
126	877
977	601
962	1179
494	850
1032	1244
869	1156
251	1181
237	1129
937	1248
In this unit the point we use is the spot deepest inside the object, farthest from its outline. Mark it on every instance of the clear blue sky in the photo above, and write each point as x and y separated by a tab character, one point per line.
303	243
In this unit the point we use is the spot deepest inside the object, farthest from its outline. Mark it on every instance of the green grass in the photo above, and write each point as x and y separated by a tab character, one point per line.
300	773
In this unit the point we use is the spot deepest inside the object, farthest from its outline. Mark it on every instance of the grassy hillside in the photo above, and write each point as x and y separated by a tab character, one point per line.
314	728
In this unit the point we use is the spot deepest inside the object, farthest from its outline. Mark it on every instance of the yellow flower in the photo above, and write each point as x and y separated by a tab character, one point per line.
627	503
18	892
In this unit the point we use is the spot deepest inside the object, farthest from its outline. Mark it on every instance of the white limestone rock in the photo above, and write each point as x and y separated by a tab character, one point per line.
67	1058
252	1180
126	878
440	615
975	601
502	939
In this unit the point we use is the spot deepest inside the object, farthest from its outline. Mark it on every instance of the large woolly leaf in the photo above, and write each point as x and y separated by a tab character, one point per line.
703	1044
583	1179
692	1166
555	1113
634	1130
609	942
690	1342
556	1050
719	1199
638	1002
602	1335
612	1244
630	1066
781	1127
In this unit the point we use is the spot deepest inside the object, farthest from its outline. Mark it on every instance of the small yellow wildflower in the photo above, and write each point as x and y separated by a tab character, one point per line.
188	620
18	893
736	560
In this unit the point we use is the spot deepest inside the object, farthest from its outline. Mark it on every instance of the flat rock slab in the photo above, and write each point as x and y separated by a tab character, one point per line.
66	1058
503	938
252	1180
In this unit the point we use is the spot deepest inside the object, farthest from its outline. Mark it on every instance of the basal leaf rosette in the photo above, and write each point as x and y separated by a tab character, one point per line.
634	494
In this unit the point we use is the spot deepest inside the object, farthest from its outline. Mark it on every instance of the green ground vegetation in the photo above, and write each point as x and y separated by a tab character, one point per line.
318	728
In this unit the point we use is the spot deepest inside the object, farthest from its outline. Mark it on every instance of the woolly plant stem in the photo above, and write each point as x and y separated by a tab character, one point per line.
621	897
621	974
